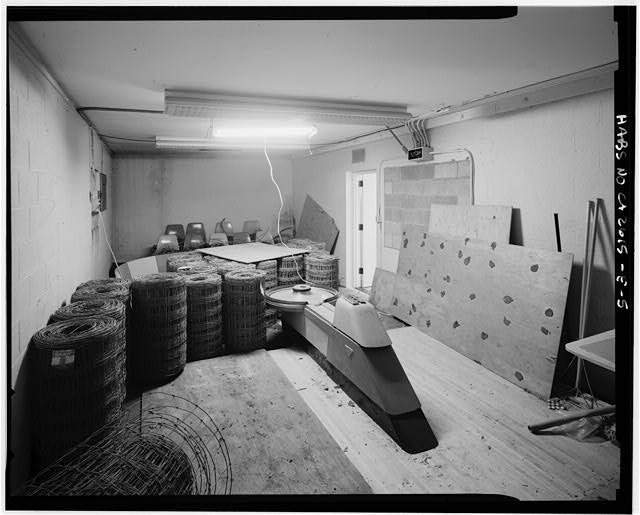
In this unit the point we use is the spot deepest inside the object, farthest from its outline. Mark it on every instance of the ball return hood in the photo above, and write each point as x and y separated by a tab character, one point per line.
350	343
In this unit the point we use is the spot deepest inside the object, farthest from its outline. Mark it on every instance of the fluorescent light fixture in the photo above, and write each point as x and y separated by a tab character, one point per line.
271	133
192	144
220	106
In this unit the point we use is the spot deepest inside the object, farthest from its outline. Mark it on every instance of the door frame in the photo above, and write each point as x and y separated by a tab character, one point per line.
351	233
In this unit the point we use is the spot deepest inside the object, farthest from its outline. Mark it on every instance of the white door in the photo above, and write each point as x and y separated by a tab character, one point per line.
365	229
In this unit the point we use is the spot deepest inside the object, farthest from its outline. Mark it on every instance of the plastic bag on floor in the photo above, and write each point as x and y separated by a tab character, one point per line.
587	429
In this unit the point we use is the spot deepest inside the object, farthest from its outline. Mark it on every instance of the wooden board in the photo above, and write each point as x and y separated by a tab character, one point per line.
139	267
498	304
492	223
251	252
480	420
276	444
316	224
382	289
599	349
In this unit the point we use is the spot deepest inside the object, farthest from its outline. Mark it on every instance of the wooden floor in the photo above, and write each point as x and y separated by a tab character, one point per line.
480	421
291	430
276	444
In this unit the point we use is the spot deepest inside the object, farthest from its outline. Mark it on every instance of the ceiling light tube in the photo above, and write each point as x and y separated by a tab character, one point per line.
189	144
215	105
265	132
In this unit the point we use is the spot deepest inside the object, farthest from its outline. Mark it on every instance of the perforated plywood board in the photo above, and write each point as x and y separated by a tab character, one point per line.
316	224
498	304
492	223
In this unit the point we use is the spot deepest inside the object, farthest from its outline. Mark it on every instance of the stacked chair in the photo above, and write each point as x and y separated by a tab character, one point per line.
196	236
178	231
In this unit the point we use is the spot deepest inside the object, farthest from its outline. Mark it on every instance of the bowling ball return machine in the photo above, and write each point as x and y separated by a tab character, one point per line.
347	339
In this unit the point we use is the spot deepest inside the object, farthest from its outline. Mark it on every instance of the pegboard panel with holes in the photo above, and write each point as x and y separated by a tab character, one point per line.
498	304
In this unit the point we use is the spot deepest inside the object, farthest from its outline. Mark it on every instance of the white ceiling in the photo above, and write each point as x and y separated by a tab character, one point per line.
424	64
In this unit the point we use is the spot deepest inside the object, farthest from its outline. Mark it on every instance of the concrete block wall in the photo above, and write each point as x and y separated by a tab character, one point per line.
410	190
152	192
55	241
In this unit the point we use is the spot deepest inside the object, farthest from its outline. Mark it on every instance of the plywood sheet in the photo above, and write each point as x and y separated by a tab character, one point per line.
140	267
251	252
316	224
492	223
498	304
276	444
382	289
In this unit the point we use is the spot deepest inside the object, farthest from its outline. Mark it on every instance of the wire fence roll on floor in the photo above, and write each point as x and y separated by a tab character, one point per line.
322	270
244	310
77	382
159	322
100	308
270	268
291	270
205	335
110	289
98	289
164	445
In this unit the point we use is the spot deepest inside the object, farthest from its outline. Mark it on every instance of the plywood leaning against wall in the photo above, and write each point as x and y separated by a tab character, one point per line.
498	304
316	224
382	289
491	223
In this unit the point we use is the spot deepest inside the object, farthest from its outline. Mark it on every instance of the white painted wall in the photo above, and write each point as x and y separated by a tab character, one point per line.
546	159
152	192
550	159
55	242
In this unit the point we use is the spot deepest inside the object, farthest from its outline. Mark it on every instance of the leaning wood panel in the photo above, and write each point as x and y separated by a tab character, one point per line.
491	223
498	304
317	225
382	289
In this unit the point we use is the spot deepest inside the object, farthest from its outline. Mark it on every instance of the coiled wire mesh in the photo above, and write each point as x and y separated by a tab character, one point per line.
97	289
291	270
304	243
165	445
159	322
183	259
99	308
77	382
205	336
244	310
271	273
322	270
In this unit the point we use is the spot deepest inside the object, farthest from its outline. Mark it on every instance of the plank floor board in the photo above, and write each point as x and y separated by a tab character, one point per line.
276	444
480	420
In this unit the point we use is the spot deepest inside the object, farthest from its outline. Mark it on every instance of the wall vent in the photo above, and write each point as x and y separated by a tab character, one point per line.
357	155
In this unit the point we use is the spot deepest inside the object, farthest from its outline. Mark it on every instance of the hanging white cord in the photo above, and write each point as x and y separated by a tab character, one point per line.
106	238
280	211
